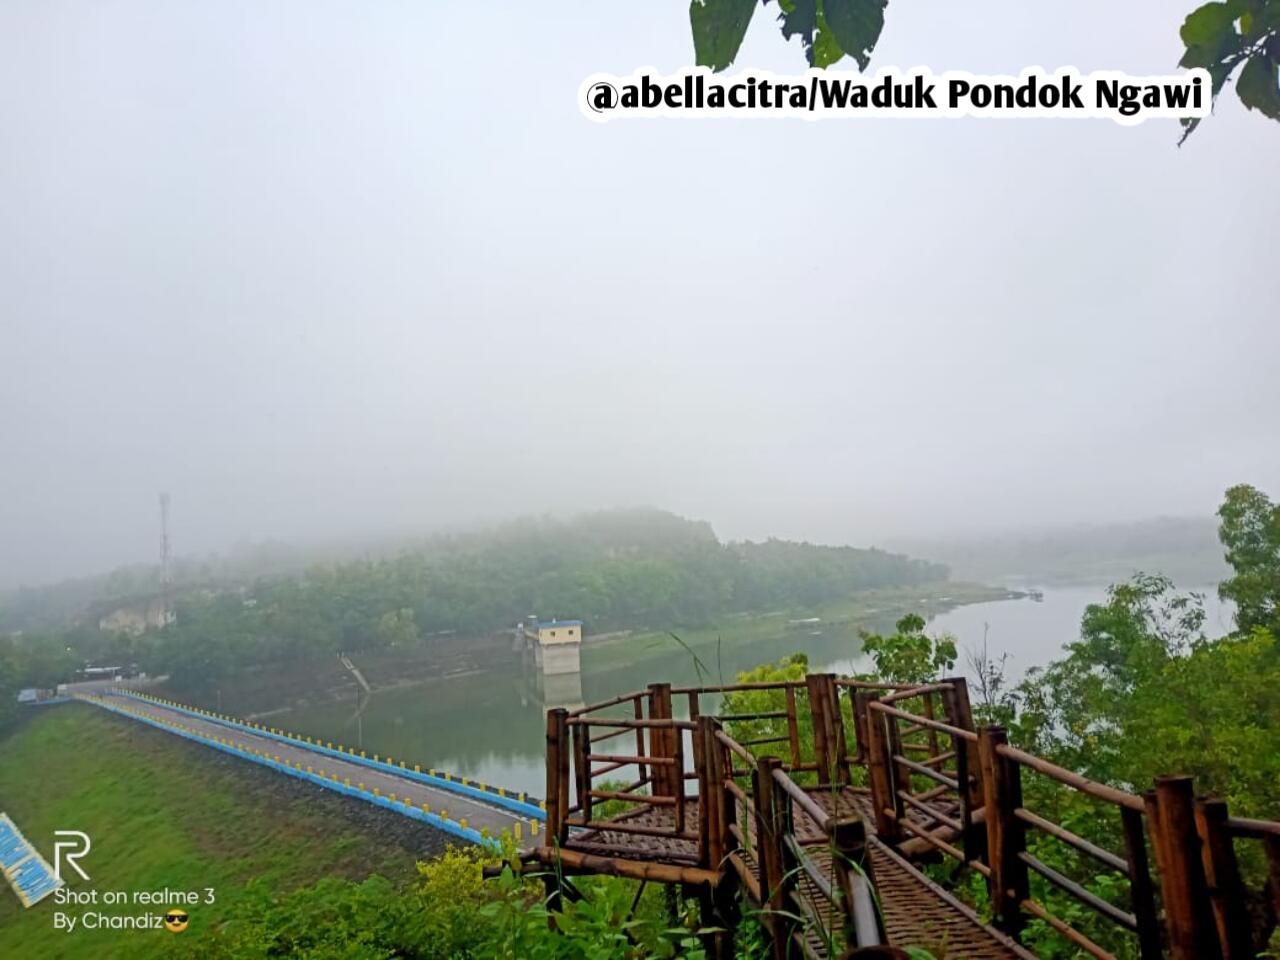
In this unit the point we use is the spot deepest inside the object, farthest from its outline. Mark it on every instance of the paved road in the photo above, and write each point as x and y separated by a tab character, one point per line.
477	814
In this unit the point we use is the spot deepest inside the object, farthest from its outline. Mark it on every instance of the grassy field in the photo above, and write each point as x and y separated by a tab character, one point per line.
164	813
861	609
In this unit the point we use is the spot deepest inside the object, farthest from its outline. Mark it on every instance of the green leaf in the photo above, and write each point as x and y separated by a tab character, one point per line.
856	25
1223	48
826	50
1207	23
802	19
1258	87
718	29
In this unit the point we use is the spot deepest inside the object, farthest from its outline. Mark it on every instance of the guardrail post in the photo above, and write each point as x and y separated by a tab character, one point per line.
1271	845
660	741
1222	874
769	849
960	714
861	922
711	831
1006	834
955	702
717	812
582	767
1188	913
899	773
1141	890
557	775
822	745
859	726
837	741
882	795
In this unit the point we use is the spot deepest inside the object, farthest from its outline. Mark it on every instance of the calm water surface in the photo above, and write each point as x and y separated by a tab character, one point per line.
489	726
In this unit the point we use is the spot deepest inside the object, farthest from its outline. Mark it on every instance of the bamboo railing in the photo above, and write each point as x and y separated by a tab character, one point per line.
728	786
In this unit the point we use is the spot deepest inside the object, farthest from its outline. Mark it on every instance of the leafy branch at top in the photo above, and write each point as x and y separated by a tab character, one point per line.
1222	36
828	29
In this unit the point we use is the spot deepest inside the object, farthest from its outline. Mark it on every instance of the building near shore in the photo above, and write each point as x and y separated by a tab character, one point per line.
557	644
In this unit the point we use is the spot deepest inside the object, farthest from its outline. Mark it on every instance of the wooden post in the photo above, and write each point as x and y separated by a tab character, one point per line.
582	768
1222	875
1006	835
724	897
822	745
1271	844
899	775
963	716
848	841
644	771
676	737
860	726
882	797
839	739
563	756
793	727
1188	913
830	745
769	847
927	711
556	722
711	797
960	714
660	743
955	703
1140	887
557	801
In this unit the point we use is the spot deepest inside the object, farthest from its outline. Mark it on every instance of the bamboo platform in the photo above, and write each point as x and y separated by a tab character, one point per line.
828	840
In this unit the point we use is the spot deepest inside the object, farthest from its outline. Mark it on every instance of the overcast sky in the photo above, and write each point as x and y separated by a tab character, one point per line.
319	268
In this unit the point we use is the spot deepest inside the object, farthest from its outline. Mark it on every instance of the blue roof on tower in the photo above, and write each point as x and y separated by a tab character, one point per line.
543	624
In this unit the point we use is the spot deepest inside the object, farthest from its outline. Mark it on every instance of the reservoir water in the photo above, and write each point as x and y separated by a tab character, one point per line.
489	725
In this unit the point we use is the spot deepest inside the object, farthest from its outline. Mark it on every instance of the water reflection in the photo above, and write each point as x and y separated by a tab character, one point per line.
489	725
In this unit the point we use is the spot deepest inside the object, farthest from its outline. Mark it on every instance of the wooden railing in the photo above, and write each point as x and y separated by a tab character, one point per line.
1008	822
1226	886
580	751
918	762
936	788
759	828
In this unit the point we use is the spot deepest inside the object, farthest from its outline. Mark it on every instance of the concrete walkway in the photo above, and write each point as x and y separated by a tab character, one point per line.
375	785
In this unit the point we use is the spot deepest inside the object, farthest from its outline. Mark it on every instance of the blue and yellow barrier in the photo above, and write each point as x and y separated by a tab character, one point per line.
437	820
495	796
28	873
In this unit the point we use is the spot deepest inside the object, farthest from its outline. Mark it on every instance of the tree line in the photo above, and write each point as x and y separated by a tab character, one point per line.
617	569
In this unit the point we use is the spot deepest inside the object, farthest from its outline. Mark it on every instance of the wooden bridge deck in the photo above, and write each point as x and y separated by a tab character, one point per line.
916	911
840	865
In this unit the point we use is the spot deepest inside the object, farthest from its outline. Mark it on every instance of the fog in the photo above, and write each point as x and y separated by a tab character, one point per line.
324	268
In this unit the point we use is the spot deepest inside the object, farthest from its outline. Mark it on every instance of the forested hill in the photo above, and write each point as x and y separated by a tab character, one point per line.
617	569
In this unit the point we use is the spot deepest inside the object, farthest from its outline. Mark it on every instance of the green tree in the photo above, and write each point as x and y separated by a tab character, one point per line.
1143	692
1250	531
396	628
910	655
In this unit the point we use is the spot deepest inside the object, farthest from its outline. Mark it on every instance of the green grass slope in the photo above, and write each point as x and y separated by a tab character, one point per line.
164	813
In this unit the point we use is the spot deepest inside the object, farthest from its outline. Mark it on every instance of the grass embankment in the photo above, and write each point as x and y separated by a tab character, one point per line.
862	609
164	813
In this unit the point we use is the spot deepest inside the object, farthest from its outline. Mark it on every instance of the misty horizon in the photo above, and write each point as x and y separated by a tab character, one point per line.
342	546
324	273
